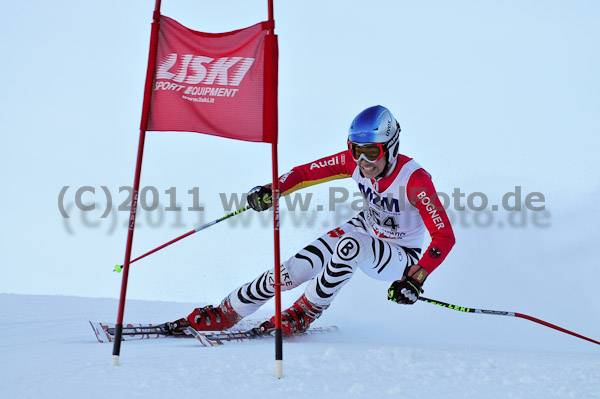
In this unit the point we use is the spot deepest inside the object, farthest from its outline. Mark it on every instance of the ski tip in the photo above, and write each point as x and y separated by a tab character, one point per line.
202	338
101	332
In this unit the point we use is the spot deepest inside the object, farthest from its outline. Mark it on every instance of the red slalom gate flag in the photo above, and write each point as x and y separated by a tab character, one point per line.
222	84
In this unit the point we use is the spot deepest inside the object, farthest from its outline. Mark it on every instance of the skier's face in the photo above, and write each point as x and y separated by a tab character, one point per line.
371	170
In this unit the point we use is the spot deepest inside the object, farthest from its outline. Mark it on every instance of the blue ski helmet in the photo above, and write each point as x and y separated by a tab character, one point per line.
376	125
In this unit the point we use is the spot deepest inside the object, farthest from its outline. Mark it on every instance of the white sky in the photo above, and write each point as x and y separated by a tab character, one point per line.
490	95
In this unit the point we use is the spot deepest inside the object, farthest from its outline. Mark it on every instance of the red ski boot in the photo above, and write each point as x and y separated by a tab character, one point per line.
207	318
297	318
210	318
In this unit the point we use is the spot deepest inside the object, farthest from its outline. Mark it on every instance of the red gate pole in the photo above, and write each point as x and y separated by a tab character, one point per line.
136	182
271	95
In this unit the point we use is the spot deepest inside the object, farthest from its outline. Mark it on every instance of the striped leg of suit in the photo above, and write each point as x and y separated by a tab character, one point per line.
329	262
298	269
356	248
347	255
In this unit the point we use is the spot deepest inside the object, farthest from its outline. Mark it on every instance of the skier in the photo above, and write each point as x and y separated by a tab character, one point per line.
383	241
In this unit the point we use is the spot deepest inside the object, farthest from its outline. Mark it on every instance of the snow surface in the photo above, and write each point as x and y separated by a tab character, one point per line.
62	359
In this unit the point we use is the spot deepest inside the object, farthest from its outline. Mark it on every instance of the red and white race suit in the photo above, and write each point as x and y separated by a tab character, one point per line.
382	240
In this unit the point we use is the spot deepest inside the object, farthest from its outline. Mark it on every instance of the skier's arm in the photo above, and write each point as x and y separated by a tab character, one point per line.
337	166
422	195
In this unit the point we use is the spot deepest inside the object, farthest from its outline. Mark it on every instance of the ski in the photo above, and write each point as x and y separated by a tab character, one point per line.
105	332
216	338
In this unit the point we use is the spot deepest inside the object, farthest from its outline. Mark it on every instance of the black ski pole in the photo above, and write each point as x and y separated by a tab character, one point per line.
503	313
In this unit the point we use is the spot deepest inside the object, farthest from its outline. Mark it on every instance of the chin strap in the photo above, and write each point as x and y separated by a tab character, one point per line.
389	167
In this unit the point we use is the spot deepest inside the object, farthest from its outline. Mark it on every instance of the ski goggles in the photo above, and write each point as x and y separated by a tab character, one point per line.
371	152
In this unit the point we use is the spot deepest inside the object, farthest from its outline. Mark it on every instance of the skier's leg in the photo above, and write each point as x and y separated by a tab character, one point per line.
388	260
377	257
349	251
298	269
247	298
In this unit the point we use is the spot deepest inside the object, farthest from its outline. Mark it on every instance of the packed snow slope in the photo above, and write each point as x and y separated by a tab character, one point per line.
48	350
